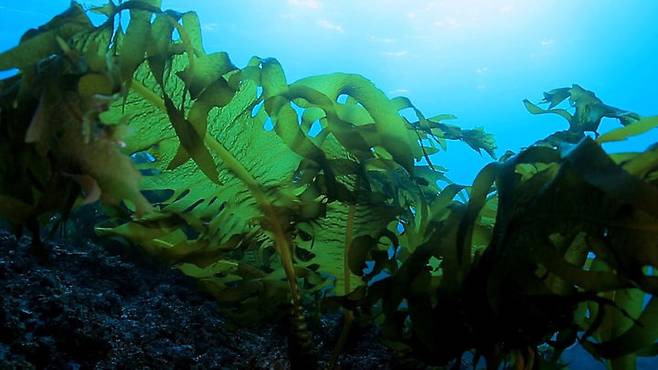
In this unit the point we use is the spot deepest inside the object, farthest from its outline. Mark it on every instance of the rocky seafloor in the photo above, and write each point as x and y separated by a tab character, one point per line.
96	307
98	304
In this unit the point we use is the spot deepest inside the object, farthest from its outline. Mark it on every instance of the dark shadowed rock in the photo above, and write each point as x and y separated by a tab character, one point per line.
89	308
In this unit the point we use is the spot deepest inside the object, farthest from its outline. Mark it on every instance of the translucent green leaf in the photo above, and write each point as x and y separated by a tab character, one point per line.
633	129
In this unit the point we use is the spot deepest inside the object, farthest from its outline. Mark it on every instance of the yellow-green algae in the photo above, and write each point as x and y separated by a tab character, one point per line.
551	245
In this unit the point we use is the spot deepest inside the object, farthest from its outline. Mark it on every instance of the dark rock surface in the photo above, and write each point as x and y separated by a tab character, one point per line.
89	307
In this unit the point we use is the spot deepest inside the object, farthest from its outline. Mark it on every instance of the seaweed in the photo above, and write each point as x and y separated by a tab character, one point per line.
221	172
589	110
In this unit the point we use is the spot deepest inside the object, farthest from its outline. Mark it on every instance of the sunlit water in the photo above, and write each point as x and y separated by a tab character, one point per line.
476	59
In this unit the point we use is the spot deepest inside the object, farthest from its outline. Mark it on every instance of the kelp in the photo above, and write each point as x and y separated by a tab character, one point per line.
574	236
589	110
280	196
54	146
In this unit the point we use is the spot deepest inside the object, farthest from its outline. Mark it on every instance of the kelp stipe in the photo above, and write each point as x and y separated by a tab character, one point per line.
552	245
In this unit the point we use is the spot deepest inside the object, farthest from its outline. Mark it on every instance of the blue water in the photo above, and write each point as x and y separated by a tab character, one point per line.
476	59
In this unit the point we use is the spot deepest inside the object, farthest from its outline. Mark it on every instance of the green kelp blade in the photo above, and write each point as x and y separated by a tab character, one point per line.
643	165
350	137
204	69
556	96
633	129
159	46
641	335
41	43
221	267
284	117
327	242
477	199
439	206
598	169
616	322
217	95
599	281
422	128
285	123
534	109
107	10
589	110
135	43
192	142
391	127
476	138
231	217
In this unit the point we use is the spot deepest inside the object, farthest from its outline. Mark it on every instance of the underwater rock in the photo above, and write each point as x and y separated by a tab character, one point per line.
93	308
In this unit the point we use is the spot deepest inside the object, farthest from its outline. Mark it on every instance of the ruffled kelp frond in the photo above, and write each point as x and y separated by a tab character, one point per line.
588	112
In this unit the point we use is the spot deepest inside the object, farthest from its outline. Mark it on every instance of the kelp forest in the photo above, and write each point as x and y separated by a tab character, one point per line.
285	200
